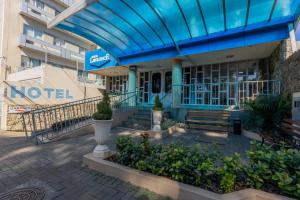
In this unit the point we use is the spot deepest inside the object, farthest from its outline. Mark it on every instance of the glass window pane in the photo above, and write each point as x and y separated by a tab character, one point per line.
168	9
213	15
283	8
259	10
236	13
193	17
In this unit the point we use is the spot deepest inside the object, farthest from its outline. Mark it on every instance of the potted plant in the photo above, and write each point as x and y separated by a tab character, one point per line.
157	114
102	124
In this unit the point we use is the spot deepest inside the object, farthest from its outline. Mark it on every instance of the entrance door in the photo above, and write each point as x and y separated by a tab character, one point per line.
144	87
156	83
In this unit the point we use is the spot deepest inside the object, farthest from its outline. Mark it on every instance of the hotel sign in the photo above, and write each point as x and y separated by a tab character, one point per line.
98	59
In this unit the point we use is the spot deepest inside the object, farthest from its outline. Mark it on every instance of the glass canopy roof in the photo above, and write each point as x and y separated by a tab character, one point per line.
127	27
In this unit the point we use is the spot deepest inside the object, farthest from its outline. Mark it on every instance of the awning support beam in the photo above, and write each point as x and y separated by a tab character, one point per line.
146	22
108	22
272	10
247	12
202	16
126	21
105	30
184	18
164	24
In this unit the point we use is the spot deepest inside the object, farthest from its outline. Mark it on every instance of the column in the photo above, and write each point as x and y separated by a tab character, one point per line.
176	82
293	37
132	85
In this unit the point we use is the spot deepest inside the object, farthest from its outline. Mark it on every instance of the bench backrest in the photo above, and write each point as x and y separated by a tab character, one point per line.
290	127
203	113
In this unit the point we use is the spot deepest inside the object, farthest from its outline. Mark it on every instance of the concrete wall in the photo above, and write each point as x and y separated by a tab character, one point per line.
59	86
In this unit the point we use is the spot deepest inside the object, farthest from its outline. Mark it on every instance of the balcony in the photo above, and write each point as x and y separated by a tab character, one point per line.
22	74
35	13
66	2
86	82
40	45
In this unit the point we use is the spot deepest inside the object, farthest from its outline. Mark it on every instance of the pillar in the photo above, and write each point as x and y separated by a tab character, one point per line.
293	37
176	82
132	85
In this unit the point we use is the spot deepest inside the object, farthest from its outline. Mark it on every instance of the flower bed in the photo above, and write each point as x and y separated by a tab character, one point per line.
272	170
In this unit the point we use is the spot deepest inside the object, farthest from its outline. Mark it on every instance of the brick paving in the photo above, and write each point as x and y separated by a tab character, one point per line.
57	168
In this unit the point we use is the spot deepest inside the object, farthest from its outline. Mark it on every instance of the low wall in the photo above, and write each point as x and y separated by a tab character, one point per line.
168	187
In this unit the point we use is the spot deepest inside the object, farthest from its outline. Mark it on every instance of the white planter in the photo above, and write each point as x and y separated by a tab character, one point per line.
157	118
102	133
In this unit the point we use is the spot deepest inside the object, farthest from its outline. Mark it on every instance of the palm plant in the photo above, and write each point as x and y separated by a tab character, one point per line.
266	113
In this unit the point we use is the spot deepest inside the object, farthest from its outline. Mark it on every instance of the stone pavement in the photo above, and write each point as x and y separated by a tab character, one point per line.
57	168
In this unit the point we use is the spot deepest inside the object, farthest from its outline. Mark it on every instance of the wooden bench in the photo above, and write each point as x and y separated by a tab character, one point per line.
208	120
290	130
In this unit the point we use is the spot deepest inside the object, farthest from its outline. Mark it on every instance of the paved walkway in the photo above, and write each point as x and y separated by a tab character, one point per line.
57	168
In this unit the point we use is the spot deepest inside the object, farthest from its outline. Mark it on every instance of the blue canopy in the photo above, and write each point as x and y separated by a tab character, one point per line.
142	30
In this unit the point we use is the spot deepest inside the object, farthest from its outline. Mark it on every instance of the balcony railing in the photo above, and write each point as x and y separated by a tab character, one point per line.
40	45
92	83
66	2
37	13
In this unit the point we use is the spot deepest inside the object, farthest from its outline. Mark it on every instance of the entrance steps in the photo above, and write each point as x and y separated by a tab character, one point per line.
140	120
209	120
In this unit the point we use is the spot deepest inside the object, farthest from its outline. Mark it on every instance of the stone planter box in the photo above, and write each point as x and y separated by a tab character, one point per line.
251	135
167	187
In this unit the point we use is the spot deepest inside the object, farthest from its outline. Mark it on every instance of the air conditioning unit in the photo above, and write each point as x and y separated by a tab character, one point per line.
296	106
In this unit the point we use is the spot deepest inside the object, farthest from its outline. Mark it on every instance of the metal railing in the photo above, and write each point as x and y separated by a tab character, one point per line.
41	45
249	90
92	83
222	93
32	10
48	123
125	101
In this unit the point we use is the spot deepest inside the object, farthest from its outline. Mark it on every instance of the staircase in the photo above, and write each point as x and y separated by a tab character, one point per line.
208	120
141	120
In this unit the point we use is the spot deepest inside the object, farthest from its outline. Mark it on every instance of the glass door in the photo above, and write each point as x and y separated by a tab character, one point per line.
144	87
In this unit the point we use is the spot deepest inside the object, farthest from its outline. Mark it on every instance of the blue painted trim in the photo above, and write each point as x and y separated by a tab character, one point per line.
259	33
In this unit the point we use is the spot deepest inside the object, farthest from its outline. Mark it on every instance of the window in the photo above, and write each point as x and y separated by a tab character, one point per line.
27	62
32	32
59	42
98	77
82	50
37	3
82	74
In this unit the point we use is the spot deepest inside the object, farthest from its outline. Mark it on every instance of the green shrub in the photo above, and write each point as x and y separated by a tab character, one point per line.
265	114
267	169
104	111
167	124
228	173
274	168
158	106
